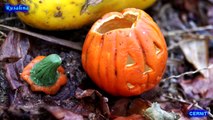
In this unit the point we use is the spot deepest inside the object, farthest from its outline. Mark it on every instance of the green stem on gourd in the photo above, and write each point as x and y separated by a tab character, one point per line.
44	73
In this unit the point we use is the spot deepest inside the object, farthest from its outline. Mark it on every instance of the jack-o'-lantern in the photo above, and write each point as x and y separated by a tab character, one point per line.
125	53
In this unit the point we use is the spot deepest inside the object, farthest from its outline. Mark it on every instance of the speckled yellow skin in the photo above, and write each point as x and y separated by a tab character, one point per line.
65	14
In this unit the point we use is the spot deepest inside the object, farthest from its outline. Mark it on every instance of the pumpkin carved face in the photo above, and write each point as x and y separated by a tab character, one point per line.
125	53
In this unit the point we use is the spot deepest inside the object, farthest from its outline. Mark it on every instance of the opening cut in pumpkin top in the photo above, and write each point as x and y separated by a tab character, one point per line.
117	23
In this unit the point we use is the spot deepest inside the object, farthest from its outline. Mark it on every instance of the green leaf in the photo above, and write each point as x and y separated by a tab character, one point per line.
156	113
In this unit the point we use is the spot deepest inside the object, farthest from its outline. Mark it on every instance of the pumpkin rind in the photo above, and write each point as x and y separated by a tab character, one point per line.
125	59
52	89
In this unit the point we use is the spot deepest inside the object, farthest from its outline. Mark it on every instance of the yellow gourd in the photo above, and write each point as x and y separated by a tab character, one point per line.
66	14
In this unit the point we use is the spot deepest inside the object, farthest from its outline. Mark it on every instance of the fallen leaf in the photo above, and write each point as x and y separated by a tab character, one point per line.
196	52
14	51
189	5
199	87
96	97
210	15
138	106
131	117
210	1
125	109
120	107
14	47
12	75
156	113
63	114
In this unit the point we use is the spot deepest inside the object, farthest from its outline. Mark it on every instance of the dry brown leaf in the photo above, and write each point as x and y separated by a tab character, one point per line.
196	52
120	108
199	87
131	117
63	114
127	109
138	106
210	14
97	97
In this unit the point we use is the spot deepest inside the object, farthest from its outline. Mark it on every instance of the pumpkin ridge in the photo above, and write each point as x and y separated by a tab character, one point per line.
87	51
137	39
106	78
142	78
111	75
158	57
99	60
119	45
109	52
116	67
153	26
147	51
144	55
91	61
157	42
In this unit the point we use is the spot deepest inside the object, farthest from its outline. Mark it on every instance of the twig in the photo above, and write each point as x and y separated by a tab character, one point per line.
2	37
193	37
187	102
7	19
175	99
66	43
2	34
171	47
176	32
188	73
198	36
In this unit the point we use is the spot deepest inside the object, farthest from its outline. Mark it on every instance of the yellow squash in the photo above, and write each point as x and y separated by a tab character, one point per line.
66	14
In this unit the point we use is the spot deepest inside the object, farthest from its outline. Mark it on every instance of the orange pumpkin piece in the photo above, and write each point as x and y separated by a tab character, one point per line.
45	74
125	53
131	117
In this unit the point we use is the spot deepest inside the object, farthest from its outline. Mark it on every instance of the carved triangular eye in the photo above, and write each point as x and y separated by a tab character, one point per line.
130	86
130	61
147	69
157	49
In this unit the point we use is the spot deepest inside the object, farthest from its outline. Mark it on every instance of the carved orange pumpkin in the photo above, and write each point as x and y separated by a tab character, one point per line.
125	53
